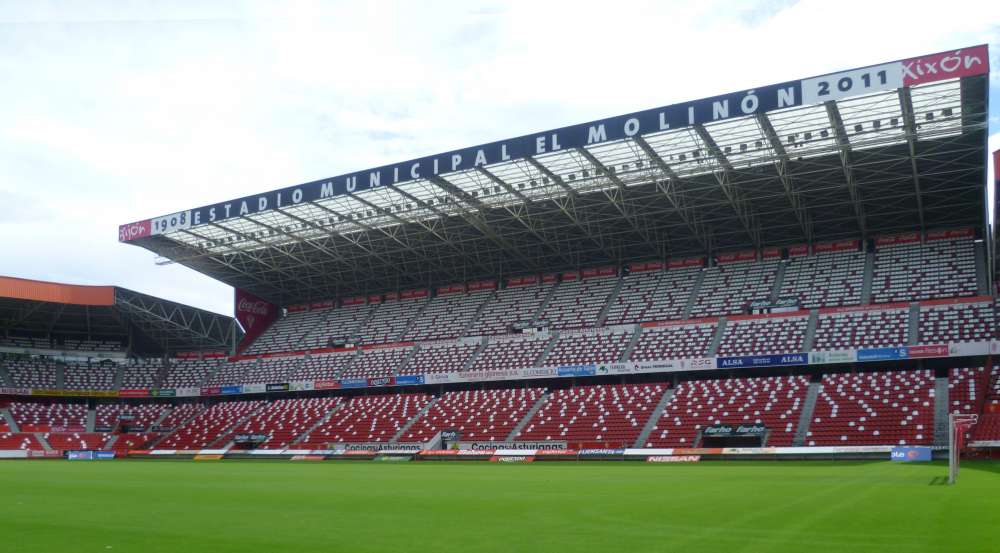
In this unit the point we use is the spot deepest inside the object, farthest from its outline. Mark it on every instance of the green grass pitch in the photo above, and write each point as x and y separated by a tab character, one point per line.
268	506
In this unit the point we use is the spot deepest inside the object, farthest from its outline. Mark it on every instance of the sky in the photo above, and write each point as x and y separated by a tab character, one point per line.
112	112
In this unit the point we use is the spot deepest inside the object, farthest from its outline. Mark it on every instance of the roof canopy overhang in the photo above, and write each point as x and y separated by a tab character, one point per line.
894	147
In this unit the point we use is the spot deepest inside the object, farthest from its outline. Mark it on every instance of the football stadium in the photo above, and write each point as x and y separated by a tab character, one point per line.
759	321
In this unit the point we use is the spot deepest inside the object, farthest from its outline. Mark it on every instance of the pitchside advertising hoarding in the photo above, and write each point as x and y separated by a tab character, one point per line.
866	80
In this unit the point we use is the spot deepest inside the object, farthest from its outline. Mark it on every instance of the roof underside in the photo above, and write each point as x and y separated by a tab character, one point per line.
908	159
154	325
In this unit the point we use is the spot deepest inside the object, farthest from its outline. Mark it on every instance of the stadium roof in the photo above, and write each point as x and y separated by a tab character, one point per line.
149	324
888	148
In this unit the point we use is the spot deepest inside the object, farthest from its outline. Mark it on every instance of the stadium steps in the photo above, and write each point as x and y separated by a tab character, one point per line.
540	361
810	338
111	442
544	304
91	418
647	429
163	416
483	342
60	376
941	401
689	305
779	277
866	284
479	313
226	432
322	420
981	284
161	375
913	330
40	436
413	320
406	360
720	332
363	323
603	315
528	416
209	374
631	343
5	377
808	408
406	426
10	420
119	377
153	443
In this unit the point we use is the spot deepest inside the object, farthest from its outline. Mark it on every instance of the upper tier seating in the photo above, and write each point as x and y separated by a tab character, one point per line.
43	417
728	289
377	363
283	420
97	376
586	348
343	323
825	280
940	269
604	415
510	305
774	401
970	322
652	296
511	352
862	329
141	373
886	408
36	372
686	341
76	440
764	336
26	342
322	367
366	419
440	357
90	345
447	316
181	414
190	373
208	426
390	320
576	304
286	333
478	415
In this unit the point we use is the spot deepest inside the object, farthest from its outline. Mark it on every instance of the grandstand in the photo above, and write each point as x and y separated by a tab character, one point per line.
819	268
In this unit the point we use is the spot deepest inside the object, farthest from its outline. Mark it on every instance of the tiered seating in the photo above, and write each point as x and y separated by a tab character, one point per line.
479	415
180	414
511	352
440	357
38	372
141	373
366	419
270	370
390	320
862	329
190	373
447	316
971	322
728	289
286	333
773	401
967	389
43	417
207	427
584	348
510	306
610	415
886	408
23	440
377	363
283	420
577	304
76	440
764	336
231	373
143	415
652	296
91	345
941	269
825	280
323	366
127	441
343	323
98	376
25	342
687	341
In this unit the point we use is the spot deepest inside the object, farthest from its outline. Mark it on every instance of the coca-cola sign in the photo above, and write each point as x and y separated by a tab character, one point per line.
132	231
254	315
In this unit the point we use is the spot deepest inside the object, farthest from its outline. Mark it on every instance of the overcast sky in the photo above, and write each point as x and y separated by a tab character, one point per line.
112	112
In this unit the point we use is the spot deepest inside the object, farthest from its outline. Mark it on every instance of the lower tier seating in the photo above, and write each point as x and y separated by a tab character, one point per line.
366	419
283	420
208	426
478	415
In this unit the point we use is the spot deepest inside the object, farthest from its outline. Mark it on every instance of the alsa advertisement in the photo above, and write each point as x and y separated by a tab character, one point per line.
254	315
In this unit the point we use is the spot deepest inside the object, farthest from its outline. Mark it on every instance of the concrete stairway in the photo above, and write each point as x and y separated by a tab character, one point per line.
806	415
694	294
91	419
603	315
941	401
413	419
640	441
720	331
318	423
527	416
5	414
